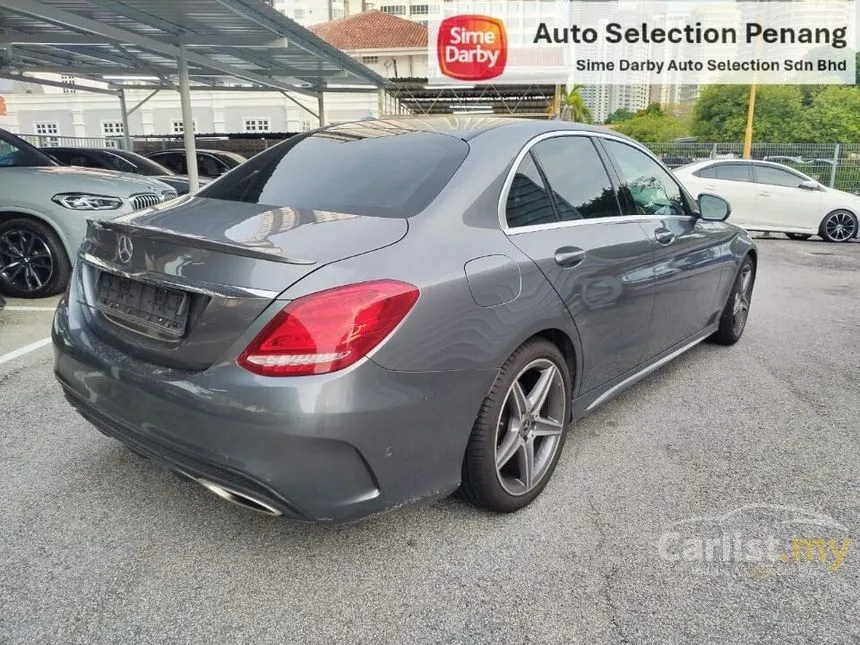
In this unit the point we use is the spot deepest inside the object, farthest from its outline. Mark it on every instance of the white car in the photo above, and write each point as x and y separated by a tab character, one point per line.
44	208
768	196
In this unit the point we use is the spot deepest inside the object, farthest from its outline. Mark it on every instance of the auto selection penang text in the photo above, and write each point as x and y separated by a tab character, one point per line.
695	34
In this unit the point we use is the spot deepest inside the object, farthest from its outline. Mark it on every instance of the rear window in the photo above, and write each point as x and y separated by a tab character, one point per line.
384	176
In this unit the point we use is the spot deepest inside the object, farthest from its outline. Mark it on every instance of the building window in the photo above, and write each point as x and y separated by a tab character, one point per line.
370	60
306	126
336	13
69	83
394	9
178	127
420	9
43	128
256	125
298	14
112	129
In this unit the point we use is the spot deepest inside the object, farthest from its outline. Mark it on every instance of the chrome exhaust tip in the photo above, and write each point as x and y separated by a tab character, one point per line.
240	499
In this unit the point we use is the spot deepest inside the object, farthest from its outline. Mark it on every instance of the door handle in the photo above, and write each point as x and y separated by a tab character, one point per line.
569	256
764	194
664	236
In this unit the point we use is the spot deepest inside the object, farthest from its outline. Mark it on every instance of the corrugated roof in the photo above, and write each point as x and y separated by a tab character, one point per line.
244	39
372	30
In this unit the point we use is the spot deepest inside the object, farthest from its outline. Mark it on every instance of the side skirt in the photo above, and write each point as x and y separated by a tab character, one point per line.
591	400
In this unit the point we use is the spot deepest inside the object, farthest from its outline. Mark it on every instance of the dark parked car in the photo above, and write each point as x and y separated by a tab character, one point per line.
122	160
385	311
210	163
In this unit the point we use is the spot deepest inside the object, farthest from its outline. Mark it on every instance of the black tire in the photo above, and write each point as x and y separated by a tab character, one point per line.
47	269
482	481
731	328
798	236
838	226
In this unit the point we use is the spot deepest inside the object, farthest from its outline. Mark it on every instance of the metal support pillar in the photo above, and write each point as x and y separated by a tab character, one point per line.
187	122
126	136
321	107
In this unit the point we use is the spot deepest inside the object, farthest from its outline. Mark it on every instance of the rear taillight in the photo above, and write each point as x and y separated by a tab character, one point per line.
329	330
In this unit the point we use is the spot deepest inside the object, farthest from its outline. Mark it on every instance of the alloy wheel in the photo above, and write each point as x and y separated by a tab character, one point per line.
26	262
840	226
742	299
530	427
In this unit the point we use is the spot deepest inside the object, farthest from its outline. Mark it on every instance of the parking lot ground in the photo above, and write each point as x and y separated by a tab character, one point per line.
97	545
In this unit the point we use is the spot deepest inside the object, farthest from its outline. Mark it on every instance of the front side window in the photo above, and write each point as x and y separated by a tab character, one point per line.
528	199
577	178
651	188
777	177
208	166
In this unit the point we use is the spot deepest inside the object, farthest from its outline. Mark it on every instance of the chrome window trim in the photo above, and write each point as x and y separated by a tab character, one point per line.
595	220
506	187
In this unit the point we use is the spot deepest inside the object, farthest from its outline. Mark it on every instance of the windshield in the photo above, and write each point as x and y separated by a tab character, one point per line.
133	162
384	176
15	152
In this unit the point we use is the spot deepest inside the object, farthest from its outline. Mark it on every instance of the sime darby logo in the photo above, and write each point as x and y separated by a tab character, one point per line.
472	47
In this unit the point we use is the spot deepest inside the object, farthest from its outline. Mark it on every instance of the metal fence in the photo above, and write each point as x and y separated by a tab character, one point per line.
835	165
56	140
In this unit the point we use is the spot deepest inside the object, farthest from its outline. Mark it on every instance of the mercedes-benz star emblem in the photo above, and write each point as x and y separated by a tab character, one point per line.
126	248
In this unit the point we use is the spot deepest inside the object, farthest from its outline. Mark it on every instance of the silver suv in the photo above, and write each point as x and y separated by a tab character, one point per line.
44	208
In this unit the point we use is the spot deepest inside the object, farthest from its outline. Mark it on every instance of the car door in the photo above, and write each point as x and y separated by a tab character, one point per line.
691	257
781	204
734	182
562	211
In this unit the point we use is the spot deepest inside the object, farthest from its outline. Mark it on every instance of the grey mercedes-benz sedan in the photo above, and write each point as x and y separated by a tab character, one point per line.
381	312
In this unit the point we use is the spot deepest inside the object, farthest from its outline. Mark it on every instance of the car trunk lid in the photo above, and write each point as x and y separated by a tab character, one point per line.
178	284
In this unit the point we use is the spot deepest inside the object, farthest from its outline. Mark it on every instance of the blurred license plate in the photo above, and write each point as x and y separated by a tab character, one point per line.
153	308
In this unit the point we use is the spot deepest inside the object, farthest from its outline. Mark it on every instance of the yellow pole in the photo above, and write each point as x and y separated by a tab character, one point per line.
749	132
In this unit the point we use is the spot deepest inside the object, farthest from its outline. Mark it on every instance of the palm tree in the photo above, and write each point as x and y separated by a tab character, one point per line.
573	108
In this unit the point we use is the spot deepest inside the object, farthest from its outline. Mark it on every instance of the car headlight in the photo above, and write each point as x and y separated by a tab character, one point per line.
87	202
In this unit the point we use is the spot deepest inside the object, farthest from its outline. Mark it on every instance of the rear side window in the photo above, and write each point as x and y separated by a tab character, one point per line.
577	178
726	171
528	199
395	175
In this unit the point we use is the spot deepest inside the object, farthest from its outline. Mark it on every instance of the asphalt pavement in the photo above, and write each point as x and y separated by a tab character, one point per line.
100	546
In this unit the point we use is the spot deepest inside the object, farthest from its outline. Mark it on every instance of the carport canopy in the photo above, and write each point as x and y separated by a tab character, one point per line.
182	45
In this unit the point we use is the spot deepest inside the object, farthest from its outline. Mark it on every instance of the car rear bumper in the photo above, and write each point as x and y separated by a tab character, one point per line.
326	448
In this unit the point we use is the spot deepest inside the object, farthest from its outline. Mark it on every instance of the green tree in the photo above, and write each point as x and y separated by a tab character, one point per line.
654	109
621	114
720	114
655	128
835	115
573	106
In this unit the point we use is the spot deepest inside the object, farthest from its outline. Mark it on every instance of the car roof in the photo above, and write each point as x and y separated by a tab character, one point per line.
206	150
752	162
463	127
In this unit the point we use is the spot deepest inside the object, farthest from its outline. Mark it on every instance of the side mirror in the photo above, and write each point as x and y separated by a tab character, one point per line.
810	185
713	208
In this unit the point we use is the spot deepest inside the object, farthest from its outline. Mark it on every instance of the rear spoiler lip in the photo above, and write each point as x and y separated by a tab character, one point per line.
173	237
